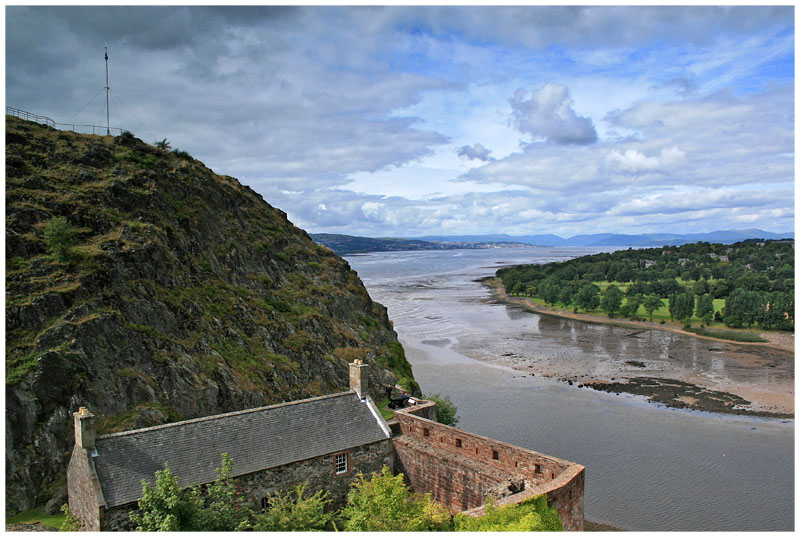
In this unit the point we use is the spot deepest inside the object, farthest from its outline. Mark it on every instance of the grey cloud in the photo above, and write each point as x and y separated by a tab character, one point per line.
475	151
683	86
548	114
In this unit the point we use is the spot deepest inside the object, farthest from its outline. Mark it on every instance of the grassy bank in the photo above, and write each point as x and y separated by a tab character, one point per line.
37	515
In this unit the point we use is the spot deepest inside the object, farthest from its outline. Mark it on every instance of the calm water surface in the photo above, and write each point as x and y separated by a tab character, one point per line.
648	468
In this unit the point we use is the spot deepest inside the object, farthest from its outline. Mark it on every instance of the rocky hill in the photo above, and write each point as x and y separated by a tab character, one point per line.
148	288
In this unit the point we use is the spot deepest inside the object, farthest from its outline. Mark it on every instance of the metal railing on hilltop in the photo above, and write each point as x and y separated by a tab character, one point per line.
96	129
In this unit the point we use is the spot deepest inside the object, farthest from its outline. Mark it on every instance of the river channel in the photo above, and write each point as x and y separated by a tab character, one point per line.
648	467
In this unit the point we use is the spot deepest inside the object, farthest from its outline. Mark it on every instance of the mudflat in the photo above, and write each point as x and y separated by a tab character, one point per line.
665	364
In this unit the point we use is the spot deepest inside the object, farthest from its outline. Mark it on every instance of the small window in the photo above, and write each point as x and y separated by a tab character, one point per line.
341	463
265	505
426	432
476	451
458	442
495	455
537	468
516	464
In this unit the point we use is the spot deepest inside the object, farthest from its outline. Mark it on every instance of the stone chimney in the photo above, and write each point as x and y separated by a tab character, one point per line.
84	428
358	378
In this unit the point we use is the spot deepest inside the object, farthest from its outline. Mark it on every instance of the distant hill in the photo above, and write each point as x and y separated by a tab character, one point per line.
349	245
618	239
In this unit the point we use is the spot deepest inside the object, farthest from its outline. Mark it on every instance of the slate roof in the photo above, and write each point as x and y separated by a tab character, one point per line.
254	439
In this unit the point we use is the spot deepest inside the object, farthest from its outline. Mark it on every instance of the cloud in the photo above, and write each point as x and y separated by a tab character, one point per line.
475	151
633	162
548	114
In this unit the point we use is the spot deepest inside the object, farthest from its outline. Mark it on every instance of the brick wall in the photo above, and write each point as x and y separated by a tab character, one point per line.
461	468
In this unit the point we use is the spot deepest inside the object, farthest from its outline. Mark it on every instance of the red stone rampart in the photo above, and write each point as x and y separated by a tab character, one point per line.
460	469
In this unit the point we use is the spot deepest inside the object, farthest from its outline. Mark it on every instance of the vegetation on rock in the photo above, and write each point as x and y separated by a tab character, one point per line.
143	285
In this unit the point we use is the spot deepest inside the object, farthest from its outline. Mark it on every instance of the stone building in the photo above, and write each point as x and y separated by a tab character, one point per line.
325	441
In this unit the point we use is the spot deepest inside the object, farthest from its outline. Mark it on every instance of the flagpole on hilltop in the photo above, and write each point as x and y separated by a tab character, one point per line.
108	127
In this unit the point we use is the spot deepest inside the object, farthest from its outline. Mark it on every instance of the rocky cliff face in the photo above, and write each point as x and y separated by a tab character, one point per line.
179	293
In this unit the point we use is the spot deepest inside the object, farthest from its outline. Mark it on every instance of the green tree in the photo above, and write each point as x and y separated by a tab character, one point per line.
296	512
565	295
385	503
700	287
681	305
612	300
529	515
549	290
226	509
446	411
588	297
167	507
60	238
705	308
652	303
633	302
164	145
741	308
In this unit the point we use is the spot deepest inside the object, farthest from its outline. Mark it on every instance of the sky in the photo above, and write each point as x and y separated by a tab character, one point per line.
415	121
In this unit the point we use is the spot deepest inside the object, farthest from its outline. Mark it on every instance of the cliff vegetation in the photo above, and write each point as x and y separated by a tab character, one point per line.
143	285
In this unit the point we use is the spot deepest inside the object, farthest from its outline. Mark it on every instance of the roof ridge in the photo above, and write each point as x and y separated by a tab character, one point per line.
226	414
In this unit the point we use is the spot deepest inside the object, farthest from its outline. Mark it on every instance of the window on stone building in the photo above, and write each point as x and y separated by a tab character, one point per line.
426	432
537	468
265	503
458	442
495	455
341	463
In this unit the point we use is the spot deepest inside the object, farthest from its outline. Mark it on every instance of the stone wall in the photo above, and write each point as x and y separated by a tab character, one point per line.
460	469
83	490
320	473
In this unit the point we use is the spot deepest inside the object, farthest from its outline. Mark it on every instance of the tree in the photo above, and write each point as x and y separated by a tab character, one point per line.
700	287
548	290
588	297
166	507
529	515
446	411
741	308
681	305
652	303
633	302
705	308
565	294
296	512
164	145
226	507
385	503
59	237
612	300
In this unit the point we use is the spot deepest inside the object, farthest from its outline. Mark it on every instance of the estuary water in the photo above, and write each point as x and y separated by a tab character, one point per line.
648	468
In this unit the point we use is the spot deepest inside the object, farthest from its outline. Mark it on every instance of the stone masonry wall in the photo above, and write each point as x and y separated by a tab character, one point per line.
319	472
452	459
83	489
